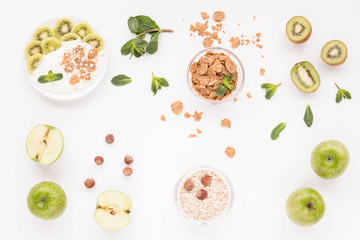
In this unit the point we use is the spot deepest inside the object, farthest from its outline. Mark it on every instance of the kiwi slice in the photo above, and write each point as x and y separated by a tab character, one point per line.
334	52
82	29
305	77
33	62
94	40
33	48
43	32
298	29
69	37
62	27
50	44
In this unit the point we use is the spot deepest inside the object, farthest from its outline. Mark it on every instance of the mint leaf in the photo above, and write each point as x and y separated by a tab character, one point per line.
57	76
270	89
134	26
153	43
145	23
157	83
220	91
50	77
341	93
269	93
277	130
308	116
127	47
120	80
43	79
346	94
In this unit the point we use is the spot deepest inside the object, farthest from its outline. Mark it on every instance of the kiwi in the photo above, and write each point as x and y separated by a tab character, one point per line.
305	77
43	32
298	29
82	29
32	48
62	27
50	44
94	40
33	62
69	37
334	52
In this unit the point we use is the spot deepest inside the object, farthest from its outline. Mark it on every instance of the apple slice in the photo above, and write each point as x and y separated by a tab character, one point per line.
112	210
44	144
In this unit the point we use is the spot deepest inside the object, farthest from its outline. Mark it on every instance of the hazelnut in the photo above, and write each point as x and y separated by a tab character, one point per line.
99	160
128	159
206	180
109	138
201	194
189	185
127	171
89	183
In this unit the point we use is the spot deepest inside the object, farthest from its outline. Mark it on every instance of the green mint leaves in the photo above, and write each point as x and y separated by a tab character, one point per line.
50	77
157	83
308	116
342	93
141	26
221	89
277	130
270	89
120	80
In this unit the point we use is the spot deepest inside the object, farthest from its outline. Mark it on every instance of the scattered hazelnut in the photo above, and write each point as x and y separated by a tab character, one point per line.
206	180
128	159
127	171
99	160
201	194
189	185
109	138
89	183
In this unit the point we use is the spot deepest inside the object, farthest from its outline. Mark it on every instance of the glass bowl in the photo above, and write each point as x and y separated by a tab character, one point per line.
181	182
240	69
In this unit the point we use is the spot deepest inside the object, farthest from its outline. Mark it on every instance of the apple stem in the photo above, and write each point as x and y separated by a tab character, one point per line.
311	206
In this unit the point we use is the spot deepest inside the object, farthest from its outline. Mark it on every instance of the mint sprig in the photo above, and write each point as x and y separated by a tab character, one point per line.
50	77
157	83
342	93
221	89
270	89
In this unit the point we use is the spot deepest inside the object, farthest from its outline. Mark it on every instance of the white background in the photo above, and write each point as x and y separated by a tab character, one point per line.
263	172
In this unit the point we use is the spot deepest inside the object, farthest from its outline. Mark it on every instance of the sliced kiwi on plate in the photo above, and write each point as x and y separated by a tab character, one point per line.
69	37
298	29
334	52
33	62
305	77
32	48
62	27
94	40
50	44
43	32
82	29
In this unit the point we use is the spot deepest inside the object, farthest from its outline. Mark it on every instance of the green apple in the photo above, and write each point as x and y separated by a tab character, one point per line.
305	206
329	159
44	144
46	200
112	210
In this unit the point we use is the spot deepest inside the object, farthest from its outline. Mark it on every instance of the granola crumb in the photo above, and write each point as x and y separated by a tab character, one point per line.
218	16
259	46
235	42
204	15
198	131
254	18
197	116
262	71
162	118
262	56
192	136
235	99
187	115
208	42
248	95
177	107
230	152
226	123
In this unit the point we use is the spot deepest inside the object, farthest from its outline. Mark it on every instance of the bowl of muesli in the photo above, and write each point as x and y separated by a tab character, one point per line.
204	195
215	75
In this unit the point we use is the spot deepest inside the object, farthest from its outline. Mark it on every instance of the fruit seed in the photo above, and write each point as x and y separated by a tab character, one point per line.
128	159
201	194
127	171
206	180
189	185
109	138
99	160
89	183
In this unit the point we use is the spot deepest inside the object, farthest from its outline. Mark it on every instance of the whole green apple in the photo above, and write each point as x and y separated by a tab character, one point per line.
46	200
305	206
329	159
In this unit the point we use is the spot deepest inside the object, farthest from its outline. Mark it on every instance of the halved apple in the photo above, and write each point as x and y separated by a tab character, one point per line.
112	210
44	144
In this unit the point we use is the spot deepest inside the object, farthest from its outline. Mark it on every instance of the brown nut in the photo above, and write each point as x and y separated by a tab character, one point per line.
127	171
128	159
206	180
99	160
189	185
109	138
201	194
89	183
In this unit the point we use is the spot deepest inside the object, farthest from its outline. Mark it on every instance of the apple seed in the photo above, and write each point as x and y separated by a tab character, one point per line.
99	160
206	180
128	159
89	183
201	194
127	171
109	138
189	185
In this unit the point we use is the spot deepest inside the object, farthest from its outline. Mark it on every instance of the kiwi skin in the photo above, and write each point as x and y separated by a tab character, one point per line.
69	37
93	37
308	35
34	58
325	60
305	39
30	47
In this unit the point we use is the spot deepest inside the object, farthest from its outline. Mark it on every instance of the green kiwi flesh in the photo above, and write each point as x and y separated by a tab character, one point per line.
50	44
94	40
43	32
32	48
33	62
69	37
305	77
82	29
298	29
334	52
62	27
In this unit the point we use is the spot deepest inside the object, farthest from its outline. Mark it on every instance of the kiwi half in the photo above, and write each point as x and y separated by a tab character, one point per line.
43	32
82	29
305	77
334	52
50	44
33	62
298	29
94	40
62	27
69	37
32	48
